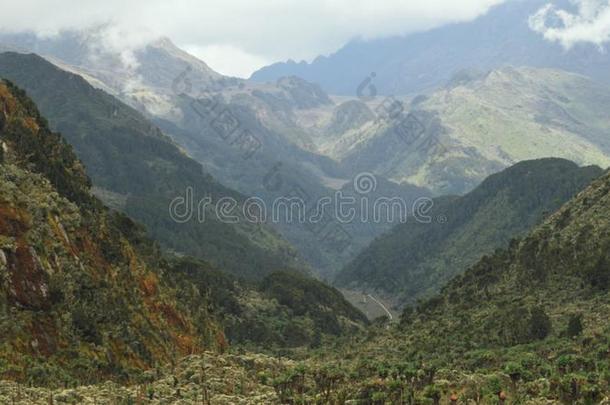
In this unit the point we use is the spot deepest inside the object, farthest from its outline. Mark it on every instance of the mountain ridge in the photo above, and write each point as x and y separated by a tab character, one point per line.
84	291
402	64
414	260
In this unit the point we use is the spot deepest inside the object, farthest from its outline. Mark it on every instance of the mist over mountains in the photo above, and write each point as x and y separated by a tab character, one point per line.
423	61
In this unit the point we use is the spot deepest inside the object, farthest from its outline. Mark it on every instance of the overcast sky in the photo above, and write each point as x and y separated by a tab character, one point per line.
236	37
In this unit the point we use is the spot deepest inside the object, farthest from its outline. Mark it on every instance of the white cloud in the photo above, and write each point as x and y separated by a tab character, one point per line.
241	31
228	59
590	23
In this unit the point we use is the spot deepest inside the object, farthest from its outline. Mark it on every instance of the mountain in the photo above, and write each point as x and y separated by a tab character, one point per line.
426	60
84	293
86	296
349	115
263	122
138	170
140	76
284	312
287	138
453	138
416	259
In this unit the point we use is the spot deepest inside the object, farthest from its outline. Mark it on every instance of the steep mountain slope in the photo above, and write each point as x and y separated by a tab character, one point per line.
446	142
285	311
86	296
347	116
84	293
426	60
283	162
529	324
479	124
416	259
135	168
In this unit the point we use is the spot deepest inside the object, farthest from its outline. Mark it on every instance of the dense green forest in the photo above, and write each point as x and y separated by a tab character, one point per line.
416	259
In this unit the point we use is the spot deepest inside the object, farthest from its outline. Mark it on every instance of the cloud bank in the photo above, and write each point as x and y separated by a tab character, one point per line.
590	23
238	36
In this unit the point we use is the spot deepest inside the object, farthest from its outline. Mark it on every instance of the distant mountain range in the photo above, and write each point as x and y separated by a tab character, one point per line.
451	139
275	120
424	61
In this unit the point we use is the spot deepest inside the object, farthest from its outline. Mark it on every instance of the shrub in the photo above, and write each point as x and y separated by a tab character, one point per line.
574	326
540	324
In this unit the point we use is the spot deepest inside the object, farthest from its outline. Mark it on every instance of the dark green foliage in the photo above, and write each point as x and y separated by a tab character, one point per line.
598	274
574	325
221	289
305	295
540	324
416	259
283	320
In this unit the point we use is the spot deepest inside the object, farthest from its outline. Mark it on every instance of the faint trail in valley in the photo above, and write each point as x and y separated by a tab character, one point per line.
382	306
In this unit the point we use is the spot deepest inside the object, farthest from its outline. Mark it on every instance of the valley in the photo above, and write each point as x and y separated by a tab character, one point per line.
420	216
415	147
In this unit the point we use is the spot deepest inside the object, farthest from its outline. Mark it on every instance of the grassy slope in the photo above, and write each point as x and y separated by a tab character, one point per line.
563	115
484	123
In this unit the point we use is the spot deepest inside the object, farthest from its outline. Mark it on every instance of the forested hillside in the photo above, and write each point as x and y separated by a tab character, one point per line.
87	296
84	294
524	325
415	259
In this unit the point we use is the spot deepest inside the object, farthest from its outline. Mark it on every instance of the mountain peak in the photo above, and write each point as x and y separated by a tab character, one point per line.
172	51
403	63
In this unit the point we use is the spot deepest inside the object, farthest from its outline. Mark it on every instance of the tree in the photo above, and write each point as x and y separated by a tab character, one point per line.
540	324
